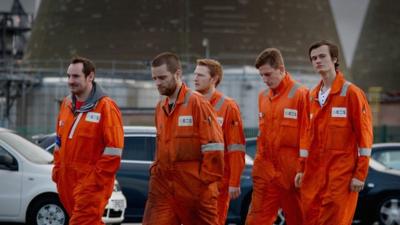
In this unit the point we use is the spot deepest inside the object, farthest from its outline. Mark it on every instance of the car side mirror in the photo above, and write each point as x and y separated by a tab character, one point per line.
8	162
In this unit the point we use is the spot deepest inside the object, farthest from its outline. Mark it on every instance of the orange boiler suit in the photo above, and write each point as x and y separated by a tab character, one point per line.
281	152
87	155
340	146
188	165
228	116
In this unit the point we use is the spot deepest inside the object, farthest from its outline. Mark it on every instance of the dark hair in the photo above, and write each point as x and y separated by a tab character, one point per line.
333	50
215	68
168	58
271	56
88	65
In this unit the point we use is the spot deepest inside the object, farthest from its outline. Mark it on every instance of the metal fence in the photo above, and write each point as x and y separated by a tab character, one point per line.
381	133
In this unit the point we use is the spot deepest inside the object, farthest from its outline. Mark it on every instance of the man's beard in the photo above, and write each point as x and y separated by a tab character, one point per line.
168	91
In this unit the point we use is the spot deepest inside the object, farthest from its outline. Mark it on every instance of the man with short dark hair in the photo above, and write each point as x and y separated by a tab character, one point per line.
207	76
283	121
340	143
89	142
189	159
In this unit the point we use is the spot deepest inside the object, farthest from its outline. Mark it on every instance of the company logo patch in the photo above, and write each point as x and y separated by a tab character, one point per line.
61	123
339	112
93	117
290	113
220	120
185	121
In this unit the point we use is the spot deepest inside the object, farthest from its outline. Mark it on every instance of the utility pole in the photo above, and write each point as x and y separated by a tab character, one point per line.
206	45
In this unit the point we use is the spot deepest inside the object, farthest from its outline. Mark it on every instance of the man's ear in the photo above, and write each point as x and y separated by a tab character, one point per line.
281	68
178	74
334	60
90	77
214	80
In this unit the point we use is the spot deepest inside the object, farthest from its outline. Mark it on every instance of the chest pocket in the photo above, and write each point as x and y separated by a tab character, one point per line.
289	133
338	134
187	144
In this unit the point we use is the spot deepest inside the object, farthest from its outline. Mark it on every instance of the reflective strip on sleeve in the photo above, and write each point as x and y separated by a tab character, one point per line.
344	88
237	147
112	151
304	153
71	133
219	104
293	90
212	147
364	151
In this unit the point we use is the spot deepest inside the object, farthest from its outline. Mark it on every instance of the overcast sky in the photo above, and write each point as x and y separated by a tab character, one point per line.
349	17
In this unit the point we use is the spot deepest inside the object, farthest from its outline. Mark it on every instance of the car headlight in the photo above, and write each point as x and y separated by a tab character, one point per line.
116	186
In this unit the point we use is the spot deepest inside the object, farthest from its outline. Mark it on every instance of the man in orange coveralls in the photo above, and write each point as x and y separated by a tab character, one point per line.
283	121
89	144
207	75
340	143
189	160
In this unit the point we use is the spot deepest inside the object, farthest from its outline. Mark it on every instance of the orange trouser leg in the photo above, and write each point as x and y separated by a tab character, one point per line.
200	212
196	205
174	200
159	208
311	209
292	207
265	203
339	211
223	204
65	186
89	207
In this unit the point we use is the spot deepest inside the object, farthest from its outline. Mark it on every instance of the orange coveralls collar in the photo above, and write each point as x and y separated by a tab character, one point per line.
336	86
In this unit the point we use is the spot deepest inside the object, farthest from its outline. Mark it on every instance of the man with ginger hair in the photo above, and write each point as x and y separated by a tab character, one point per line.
207	76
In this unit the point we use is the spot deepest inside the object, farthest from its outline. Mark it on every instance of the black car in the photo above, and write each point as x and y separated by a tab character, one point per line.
133	175
388	154
380	199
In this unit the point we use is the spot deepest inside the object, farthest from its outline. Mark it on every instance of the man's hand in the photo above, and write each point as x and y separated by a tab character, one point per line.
356	185
234	192
298	179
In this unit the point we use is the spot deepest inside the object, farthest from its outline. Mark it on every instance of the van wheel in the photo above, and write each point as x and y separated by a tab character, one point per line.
47	211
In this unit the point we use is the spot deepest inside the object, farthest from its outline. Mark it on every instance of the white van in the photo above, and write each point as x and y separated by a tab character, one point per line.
27	193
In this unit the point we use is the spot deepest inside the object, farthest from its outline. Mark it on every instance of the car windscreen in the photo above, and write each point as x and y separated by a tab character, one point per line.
26	148
390	157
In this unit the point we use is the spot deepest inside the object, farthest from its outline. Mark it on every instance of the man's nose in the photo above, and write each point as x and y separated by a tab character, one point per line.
158	82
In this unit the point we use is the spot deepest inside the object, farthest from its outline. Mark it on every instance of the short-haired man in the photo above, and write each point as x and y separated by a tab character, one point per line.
89	145
207	75
283	122
340	144
189	159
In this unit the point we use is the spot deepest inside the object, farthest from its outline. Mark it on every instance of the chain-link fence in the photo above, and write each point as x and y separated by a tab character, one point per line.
381	133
